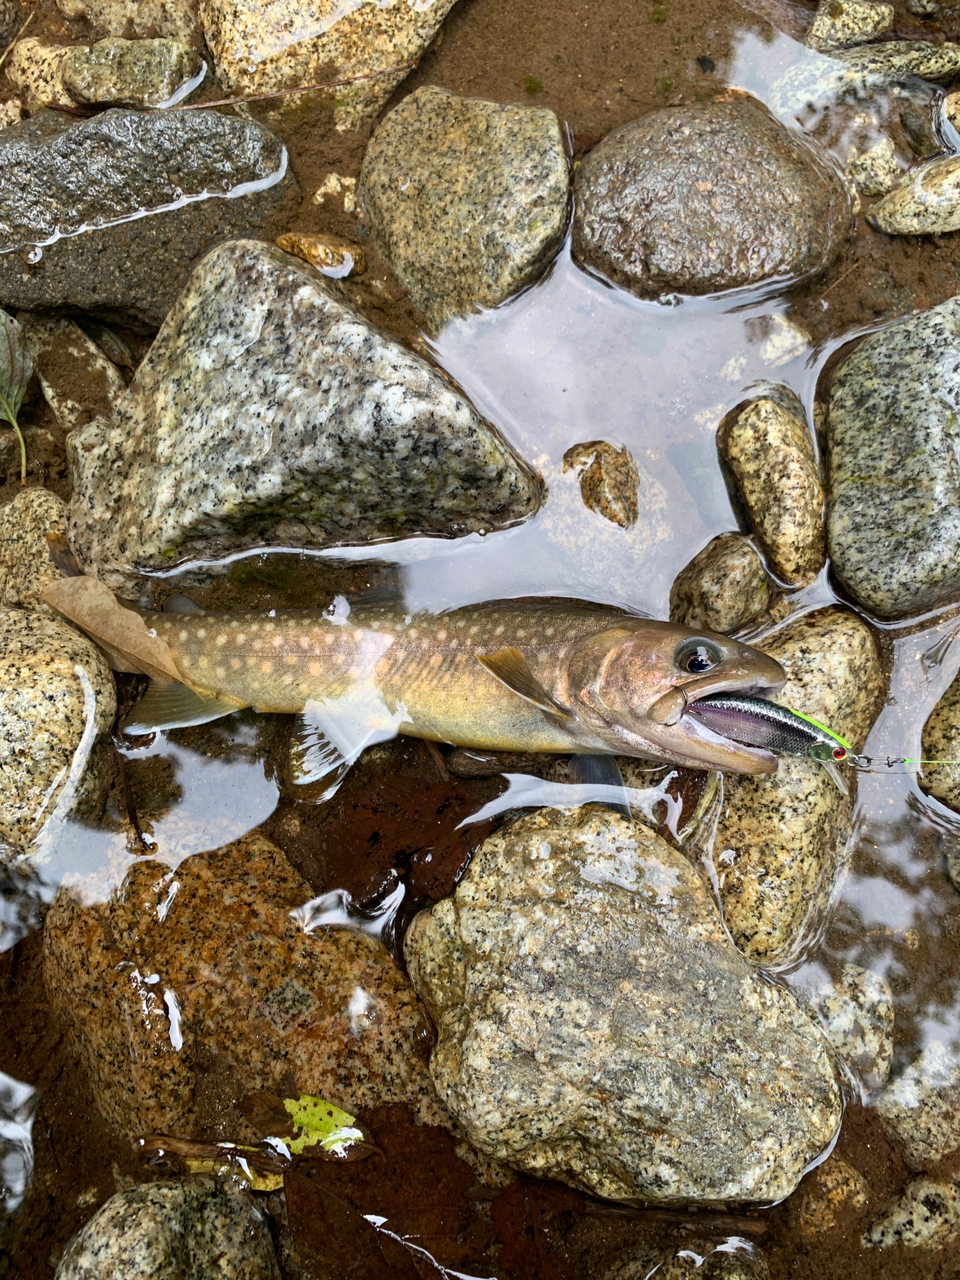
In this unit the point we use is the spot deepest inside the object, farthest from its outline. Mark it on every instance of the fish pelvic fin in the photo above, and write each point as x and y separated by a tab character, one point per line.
510	667
166	705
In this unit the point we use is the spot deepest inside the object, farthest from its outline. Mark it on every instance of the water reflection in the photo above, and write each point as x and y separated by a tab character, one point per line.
18	1101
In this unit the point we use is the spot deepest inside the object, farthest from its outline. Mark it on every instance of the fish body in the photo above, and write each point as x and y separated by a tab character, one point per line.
532	675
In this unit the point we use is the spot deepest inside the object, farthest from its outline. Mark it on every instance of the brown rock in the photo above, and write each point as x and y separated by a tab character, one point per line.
609	480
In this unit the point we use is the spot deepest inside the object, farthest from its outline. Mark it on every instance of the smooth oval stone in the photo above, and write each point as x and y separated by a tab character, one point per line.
704	197
926	203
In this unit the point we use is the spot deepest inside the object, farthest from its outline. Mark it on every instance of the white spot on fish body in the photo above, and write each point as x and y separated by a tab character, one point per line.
221	639
184	636
201	633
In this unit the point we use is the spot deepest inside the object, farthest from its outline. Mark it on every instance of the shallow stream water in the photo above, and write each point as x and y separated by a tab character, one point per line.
570	360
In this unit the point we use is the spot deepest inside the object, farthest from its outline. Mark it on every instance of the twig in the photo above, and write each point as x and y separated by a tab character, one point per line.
7	50
300	88
838	279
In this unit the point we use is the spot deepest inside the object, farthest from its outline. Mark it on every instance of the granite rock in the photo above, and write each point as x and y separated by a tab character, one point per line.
56	697
25	563
781	839
893	522
920	1109
153	187
876	172
609	480
841	23
768	447
816	81
941	741
174	19
267	411
77	380
261	48
467	199
857	1018
704	197
926	1216
596	1025
925	203
175	1230
35	70
828	1193
213	965
724	586
144	73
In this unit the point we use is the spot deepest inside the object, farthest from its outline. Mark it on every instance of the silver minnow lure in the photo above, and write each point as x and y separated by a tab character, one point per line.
785	732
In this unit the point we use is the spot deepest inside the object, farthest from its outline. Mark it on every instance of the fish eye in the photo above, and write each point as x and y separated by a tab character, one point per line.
697	656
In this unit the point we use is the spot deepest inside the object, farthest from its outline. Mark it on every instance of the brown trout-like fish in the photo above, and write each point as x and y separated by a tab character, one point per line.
514	675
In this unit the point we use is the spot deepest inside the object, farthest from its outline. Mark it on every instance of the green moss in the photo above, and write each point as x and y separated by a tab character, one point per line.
532	84
658	15
663	84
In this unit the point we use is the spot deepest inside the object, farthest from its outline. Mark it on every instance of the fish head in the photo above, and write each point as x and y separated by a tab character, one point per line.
630	687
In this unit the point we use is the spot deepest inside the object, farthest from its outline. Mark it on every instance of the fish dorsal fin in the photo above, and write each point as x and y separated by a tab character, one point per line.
166	705
509	666
182	604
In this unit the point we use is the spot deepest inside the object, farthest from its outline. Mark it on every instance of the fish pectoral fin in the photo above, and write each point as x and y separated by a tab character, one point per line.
183	605
602	771
166	705
509	666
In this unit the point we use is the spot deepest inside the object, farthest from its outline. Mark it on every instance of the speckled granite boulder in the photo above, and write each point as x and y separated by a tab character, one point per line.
816	81
57	176
769	449
893	522
215	955
77	380
25	563
609	480
925	1216
260	48
176	1230
596	1025
176	19
56	696
723	587
925	203
941	741
841	23
781	839
467	199
144	73
704	197
856	1014
920	1109
267	411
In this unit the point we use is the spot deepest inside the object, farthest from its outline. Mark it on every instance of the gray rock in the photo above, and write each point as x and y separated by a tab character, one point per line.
56	697
467	199
841	23
769	449
78	382
596	1025
25	563
925	1216
921	1108
816	81
222	952
941	741
893	523
704	197
723	587
857	1018
609	480
175	1230
925	203
781	840
106	173
267	411
369	49
144	73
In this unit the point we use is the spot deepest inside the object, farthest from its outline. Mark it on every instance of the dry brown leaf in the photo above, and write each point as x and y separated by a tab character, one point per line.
121	633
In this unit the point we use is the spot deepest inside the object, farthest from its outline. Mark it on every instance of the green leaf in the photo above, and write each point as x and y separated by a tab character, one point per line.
320	1123
16	366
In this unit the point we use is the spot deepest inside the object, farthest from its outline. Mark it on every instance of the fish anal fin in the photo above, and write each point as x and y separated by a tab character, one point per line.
509	666
166	705
314	758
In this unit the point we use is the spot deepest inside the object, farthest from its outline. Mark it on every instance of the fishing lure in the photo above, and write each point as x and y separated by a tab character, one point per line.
758	723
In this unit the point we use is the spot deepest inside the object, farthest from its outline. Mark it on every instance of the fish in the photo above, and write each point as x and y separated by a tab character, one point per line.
540	675
776	728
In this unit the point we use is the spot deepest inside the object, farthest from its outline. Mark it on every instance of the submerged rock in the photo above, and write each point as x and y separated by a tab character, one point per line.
73	199
829	1193
920	1109
857	1018
56	697
215	965
925	1216
467	199
816	81
266	412
596	1025
723	587
609	480
174	1230
893	523
926	202
144	73
352	55
941	741
841	23
704	197
769	449
781	839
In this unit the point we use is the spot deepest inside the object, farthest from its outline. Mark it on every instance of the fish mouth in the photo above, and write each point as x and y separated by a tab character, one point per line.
727	754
